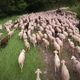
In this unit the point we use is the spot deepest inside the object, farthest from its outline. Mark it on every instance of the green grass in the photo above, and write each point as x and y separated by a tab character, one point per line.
9	68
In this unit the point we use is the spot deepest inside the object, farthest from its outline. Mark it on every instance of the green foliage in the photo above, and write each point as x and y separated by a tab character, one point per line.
19	6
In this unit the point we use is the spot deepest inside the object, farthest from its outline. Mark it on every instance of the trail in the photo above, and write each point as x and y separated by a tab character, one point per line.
48	60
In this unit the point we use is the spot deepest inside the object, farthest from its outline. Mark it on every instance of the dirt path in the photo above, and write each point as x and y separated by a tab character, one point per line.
48	59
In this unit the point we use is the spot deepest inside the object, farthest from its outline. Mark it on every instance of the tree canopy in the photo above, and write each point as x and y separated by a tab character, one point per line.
19	6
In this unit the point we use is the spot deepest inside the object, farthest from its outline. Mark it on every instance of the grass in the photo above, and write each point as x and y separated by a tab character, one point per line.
9	68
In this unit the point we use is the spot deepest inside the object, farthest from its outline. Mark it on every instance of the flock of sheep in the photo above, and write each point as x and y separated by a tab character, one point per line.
49	28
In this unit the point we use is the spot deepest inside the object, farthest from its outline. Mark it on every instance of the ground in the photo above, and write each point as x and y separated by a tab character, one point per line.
36	57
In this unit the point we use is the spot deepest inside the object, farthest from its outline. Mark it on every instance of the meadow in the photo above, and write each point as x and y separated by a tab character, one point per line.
9	68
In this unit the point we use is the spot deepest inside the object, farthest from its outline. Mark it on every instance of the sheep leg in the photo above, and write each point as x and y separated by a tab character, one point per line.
21	66
55	69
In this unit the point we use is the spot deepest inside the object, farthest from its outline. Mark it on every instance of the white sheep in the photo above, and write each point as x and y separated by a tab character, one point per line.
56	46
76	64
64	71
21	59
56	61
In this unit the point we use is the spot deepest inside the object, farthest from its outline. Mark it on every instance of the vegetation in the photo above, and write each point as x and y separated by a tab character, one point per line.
9	7
9	68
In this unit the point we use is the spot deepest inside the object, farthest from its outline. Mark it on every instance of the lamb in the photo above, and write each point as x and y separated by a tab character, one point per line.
21	59
76	64
64	71
56	61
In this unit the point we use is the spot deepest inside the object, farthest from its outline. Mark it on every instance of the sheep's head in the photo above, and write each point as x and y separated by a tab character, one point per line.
55	52
73	58
63	61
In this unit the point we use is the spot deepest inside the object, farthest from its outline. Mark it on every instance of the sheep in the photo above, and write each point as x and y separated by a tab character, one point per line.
48	31
56	45
11	32
40	33
61	36
59	41
21	34
45	35
76	38
21	59
33	40
46	42
78	49
76	64
64	71
4	41
38	37
29	32
27	44
24	35
71	43
51	37
65	33
41	28
8	30
56	61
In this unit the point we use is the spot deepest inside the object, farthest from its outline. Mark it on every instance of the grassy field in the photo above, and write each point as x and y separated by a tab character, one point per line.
9	68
